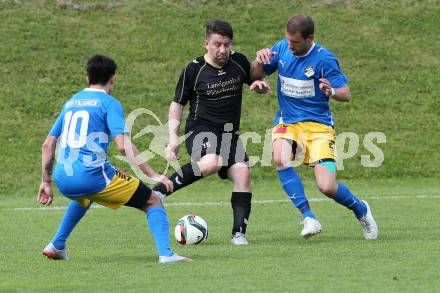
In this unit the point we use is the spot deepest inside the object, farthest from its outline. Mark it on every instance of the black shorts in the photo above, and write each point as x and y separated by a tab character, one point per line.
140	197
203	139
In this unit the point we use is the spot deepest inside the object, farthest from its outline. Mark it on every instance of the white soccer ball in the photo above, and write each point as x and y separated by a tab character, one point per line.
191	229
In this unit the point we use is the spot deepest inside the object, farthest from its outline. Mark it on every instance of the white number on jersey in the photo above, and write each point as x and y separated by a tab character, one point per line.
69	137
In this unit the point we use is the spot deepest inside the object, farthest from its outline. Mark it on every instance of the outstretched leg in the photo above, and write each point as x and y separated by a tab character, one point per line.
149	202
185	176
190	173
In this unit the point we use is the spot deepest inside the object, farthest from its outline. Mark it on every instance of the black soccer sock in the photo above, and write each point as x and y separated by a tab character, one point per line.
241	208
190	174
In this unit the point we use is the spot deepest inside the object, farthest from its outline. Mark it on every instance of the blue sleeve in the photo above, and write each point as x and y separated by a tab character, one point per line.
57	127
115	119
331	71
272	67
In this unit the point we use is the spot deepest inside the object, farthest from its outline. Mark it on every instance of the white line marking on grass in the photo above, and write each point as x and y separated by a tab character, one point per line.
54	208
227	203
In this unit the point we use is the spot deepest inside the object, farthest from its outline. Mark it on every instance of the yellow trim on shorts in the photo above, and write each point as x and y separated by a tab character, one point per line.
116	194
315	141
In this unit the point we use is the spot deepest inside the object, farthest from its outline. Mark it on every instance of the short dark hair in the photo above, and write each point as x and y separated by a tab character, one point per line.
100	69
302	24
218	26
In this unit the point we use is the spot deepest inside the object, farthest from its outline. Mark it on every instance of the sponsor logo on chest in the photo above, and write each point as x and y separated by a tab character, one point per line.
296	88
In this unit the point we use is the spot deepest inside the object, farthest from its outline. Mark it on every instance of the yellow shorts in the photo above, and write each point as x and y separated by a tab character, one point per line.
115	195
315	141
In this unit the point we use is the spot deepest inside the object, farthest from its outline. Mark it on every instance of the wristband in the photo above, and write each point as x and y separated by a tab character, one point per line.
332	94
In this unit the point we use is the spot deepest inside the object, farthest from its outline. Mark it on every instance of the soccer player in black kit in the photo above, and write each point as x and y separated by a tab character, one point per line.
213	85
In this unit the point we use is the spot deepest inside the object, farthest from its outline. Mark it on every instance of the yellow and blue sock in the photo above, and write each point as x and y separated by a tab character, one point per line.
344	197
294	188
159	227
72	216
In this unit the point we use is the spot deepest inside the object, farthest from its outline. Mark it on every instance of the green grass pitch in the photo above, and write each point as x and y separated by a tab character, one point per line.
113	250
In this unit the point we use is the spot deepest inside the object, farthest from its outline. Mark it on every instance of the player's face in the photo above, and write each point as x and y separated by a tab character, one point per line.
297	44
219	48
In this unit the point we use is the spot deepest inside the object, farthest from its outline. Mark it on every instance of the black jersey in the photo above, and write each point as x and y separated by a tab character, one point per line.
215	94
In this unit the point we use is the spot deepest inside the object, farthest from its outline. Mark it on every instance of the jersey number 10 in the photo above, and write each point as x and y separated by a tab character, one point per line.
69	136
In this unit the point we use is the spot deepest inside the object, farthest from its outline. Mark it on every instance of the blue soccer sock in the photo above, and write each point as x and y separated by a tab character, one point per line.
159	227
72	216
344	197
294	188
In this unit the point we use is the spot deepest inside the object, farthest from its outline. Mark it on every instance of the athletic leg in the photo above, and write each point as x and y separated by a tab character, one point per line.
240	201
325	174
290	180
147	201
56	248
72	216
201	145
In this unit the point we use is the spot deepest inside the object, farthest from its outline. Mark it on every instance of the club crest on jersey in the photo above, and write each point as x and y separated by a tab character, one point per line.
309	71
220	72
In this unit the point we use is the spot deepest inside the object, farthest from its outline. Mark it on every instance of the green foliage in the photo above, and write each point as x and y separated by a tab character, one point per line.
386	48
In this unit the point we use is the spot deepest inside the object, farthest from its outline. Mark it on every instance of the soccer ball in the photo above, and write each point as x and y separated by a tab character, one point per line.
191	229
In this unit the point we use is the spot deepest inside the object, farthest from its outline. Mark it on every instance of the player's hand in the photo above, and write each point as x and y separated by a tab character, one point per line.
172	152
260	86
163	179
45	193
326	87
264	56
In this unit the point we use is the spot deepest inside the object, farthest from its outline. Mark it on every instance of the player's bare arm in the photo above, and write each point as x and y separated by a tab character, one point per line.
129	150
257	74
45	192
263	56
342	94
174	120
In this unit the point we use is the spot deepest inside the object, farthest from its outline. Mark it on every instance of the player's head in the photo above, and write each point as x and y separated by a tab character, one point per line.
299	33
101	70
218	40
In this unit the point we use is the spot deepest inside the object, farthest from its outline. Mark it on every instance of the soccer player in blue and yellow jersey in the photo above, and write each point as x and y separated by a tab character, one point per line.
89	120
308	76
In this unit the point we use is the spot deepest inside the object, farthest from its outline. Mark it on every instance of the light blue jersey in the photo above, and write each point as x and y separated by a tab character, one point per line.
85	127
299	96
